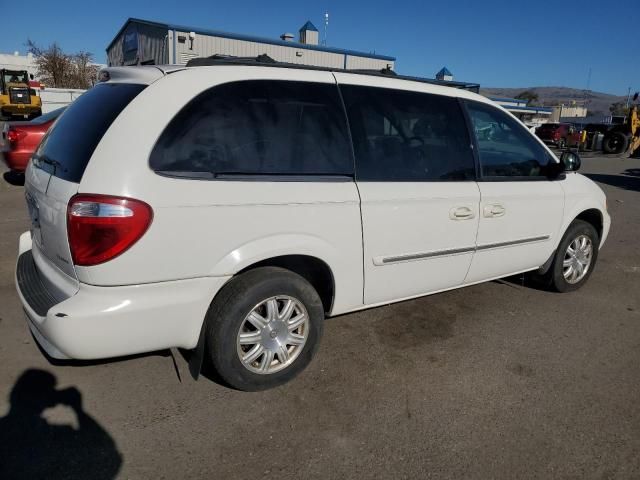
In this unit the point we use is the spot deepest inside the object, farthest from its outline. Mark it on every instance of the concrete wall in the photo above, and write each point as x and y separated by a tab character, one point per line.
53	98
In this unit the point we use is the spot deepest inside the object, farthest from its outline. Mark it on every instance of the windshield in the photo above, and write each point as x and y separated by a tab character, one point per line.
15	77
67	147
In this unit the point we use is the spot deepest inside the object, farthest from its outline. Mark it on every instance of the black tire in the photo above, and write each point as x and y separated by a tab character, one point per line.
554	278
233	304
615	142
14	178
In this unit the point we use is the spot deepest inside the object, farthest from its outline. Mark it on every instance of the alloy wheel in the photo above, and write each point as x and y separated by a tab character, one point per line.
577	259
273	334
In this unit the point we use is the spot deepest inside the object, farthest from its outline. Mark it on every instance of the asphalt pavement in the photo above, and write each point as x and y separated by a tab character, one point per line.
499	380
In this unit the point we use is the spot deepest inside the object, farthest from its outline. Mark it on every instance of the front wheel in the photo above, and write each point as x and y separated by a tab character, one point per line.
263	328
575	257
615	142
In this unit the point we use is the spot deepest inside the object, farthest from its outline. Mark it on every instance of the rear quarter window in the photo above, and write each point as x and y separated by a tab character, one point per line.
67	147
257	128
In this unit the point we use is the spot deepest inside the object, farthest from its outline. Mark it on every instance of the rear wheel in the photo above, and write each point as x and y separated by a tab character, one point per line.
575	257
615	142
263	328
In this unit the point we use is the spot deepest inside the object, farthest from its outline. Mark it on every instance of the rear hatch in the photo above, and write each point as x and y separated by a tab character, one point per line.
54	175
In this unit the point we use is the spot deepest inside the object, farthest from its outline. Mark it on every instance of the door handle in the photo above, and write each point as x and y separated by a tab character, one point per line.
494	210
461	213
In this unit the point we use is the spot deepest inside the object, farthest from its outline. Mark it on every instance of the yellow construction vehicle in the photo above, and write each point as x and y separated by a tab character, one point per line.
625	137
17	99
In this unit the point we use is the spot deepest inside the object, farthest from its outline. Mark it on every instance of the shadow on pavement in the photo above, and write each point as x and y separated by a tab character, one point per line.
628	181
31	447
525	280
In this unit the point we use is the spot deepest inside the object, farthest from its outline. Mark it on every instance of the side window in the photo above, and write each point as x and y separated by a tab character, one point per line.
407	136
257	128
505	148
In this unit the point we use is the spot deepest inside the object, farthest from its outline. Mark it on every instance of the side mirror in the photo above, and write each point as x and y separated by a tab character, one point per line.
571	161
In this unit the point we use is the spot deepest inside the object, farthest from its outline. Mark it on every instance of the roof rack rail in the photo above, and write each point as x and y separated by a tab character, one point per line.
382	71
266	61
222	59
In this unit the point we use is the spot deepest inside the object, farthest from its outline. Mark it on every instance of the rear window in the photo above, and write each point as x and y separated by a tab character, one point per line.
67	147
52	115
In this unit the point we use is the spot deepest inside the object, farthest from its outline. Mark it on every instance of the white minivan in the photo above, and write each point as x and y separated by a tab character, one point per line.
228	208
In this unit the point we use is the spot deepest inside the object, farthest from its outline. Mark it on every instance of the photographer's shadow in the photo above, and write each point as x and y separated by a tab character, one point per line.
31	447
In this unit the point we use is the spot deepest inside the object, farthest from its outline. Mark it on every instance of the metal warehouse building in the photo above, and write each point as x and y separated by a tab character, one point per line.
142	42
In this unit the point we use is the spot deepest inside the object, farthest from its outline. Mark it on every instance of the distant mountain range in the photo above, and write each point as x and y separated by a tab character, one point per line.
597	102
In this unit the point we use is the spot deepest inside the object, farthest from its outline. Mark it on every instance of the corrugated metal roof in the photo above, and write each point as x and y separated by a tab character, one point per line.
249	38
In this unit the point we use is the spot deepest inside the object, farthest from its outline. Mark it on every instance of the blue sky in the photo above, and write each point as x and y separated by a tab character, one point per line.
497	43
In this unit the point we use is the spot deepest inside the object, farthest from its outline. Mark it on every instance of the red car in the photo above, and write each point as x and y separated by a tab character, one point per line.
20	139
559	134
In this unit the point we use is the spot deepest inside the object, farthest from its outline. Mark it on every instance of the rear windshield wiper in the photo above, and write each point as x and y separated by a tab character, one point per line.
49	161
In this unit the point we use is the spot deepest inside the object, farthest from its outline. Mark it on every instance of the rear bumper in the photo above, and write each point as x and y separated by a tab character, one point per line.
105	322
16	161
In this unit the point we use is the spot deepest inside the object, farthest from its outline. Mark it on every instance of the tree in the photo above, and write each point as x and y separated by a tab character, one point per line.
62	70
619	108
530	96
84	72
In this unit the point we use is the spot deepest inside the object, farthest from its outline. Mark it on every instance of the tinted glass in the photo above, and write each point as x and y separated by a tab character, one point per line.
257	128
47	117
407	136
11	76
67	147
505	147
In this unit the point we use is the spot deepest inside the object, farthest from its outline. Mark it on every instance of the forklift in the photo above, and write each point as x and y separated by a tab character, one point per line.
626	136
17	99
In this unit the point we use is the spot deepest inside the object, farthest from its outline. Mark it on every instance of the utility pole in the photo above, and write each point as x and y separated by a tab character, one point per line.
586	93
326	24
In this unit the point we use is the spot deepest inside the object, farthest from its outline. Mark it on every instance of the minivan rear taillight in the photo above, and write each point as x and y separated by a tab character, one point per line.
101	227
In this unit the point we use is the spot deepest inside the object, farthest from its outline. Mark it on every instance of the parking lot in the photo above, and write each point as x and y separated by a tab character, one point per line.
499	380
